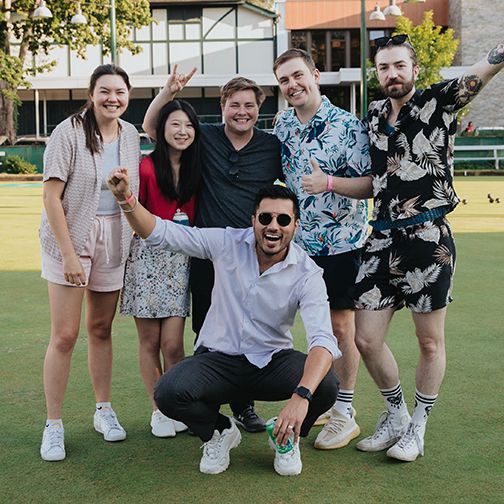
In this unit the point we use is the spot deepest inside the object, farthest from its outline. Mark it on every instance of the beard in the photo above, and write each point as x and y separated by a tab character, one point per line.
398	92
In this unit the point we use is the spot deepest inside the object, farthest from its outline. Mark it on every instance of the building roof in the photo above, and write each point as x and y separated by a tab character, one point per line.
345	14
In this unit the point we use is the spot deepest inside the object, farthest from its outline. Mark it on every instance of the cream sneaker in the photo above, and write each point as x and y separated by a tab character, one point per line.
337	432
106	423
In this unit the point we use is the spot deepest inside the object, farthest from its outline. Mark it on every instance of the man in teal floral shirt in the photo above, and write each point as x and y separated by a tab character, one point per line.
332	227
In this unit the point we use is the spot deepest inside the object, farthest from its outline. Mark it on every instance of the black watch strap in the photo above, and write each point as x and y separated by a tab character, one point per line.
303	392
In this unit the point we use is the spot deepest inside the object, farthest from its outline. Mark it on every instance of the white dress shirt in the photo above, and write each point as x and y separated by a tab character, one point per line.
251	313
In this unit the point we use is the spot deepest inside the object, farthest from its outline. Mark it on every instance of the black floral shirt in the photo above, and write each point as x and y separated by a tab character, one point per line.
412	162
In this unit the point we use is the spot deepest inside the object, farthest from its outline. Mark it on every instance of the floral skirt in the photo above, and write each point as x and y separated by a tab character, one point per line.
156	283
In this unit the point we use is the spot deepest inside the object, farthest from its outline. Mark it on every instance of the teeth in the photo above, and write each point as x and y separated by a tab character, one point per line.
272	237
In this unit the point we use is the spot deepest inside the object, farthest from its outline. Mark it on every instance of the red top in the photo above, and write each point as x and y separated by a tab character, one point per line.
153	199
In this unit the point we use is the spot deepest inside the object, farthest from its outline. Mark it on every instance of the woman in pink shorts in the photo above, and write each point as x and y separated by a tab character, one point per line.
85	243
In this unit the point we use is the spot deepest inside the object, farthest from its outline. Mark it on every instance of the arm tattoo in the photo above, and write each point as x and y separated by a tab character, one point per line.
496	55
470	86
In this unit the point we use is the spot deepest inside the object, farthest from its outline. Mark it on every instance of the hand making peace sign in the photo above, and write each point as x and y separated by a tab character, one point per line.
177	81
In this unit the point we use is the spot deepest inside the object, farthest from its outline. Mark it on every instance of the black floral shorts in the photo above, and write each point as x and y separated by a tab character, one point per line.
412	266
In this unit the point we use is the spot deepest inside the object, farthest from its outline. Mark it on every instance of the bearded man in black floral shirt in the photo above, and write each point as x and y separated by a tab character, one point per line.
410	255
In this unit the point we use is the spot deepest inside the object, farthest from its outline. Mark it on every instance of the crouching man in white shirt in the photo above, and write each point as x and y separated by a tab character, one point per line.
245	348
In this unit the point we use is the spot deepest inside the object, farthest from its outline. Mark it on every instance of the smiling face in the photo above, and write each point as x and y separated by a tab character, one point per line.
240	112
396	72
272	240
299	84
179	131
110	98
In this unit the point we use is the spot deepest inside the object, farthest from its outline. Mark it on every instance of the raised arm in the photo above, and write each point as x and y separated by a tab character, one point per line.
175	83
139	218
481	73
318	182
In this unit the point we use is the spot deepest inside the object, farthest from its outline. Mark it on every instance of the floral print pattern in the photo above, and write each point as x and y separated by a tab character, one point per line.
330	224
156	283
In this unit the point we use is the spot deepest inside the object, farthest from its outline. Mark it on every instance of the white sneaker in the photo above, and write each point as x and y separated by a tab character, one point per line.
411	444
161	425
389	429
106	423
215	457
179	426
337	432
287	464
52	448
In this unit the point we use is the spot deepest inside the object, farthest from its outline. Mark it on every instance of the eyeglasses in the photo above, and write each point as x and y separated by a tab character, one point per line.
282	219
233	158
381	42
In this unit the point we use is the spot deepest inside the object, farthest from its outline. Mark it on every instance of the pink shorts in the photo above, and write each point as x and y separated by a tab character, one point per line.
100	258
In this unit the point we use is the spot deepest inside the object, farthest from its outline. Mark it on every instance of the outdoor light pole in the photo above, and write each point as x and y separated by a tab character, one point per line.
113	49
363	59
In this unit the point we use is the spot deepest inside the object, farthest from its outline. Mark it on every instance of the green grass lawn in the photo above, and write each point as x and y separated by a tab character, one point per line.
463	461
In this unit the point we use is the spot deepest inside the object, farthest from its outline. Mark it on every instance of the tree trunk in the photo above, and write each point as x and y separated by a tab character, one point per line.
7	128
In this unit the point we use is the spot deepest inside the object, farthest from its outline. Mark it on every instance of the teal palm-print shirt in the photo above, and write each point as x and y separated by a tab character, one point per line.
330	224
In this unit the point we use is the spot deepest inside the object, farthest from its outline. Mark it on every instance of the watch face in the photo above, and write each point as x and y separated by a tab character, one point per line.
304	393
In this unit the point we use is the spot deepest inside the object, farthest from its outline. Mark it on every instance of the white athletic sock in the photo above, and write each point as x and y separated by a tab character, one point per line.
102	405
394	400
54	422
423	407
343	404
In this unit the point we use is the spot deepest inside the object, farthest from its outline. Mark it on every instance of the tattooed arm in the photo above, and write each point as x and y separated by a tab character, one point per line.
480	73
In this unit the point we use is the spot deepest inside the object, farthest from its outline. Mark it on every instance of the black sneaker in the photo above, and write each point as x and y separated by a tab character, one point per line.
250	420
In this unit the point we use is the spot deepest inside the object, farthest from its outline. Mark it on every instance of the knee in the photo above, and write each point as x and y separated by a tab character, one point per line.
100	330
431	347
364	343
173	351
64	341
168	394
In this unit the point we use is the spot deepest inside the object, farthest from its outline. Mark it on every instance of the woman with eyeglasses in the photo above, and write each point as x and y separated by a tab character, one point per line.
85	243
156	291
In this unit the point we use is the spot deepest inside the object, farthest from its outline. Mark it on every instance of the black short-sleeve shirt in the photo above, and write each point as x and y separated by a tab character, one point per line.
231	178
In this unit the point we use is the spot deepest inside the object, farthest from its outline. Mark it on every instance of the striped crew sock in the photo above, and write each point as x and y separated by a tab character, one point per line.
394	400
423	406
343	404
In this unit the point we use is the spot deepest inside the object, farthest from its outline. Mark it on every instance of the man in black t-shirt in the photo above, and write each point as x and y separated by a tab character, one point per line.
237	159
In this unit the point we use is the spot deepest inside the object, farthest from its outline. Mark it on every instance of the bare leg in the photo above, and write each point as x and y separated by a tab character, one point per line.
172	341
100	312
371	329
66	306
432	363
149	339
346	368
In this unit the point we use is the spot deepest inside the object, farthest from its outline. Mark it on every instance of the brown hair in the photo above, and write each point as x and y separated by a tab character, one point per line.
411	50
86	116
241	84
294	53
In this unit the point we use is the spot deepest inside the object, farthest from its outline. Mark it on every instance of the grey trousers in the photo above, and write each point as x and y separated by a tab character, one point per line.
193	390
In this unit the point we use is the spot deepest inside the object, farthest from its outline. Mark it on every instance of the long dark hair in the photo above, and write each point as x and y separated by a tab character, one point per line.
86	116
189	176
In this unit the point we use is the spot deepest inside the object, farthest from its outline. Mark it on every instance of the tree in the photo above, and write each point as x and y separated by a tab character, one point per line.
435	49
24	39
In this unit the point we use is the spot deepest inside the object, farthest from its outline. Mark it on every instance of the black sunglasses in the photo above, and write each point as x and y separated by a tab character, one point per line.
395	40
282	219
233	158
